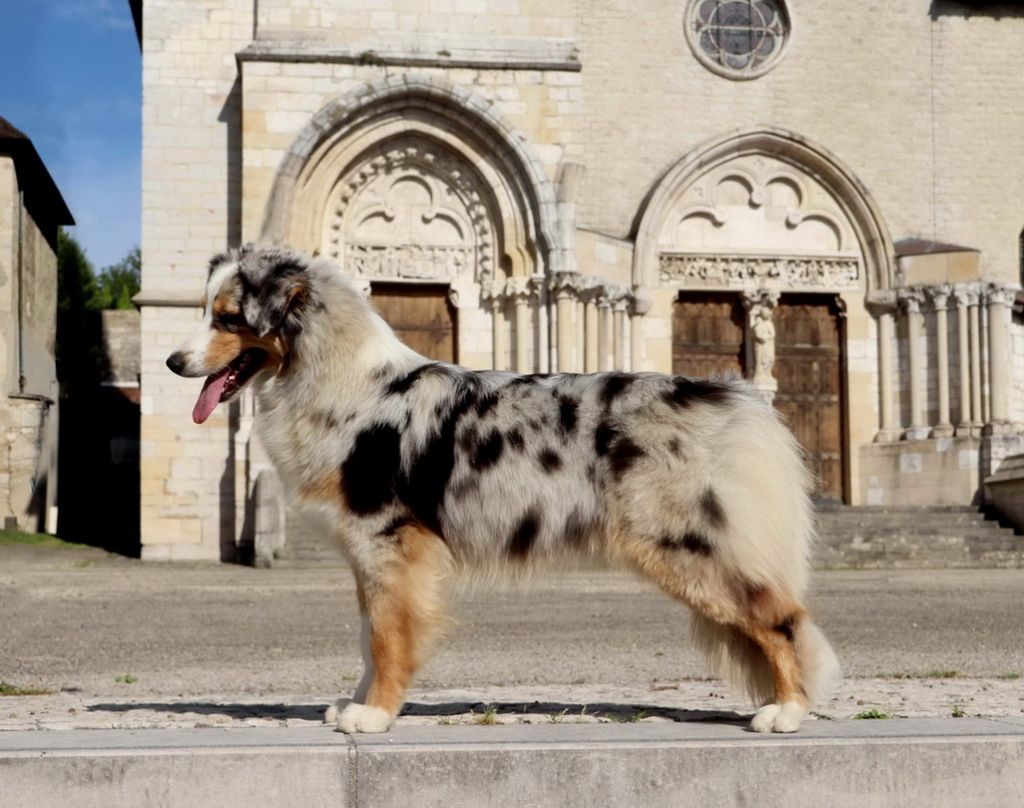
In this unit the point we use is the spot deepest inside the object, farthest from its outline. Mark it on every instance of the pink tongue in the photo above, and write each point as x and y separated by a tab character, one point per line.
209	396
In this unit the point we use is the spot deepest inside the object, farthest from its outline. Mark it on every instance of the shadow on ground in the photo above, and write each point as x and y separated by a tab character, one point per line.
556	711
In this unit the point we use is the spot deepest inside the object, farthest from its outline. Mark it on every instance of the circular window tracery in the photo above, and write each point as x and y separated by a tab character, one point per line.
739	39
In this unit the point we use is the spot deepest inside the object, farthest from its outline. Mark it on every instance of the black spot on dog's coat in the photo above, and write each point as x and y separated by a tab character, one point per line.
686	392
431	468
693	542
515	438
549	460
403	384
395	524
613	387
568	414
712	508
485	404
623	454
577	528
785	628
673	447
603	437
370	473
525	535
488	451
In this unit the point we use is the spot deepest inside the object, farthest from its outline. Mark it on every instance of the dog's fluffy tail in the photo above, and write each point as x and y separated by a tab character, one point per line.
739	660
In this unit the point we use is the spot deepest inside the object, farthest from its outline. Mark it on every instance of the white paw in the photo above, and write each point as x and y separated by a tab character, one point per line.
789	718
785	717
764	718
331	714
363	718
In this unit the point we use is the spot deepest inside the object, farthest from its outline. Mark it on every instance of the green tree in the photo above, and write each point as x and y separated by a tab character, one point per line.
119	283
79	346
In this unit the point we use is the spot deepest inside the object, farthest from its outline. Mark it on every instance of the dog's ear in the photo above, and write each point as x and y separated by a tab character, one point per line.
276	300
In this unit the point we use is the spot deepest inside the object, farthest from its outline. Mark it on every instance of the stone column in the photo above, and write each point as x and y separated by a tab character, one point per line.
986	379
641	305
974	321
883	306
564	286
494	297
1000	300
619	333
538	293
604	331
581	331
760	305
911	300
591	338
940	296
518	289
961	292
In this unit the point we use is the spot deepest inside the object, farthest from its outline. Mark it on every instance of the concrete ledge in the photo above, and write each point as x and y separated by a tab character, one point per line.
934	762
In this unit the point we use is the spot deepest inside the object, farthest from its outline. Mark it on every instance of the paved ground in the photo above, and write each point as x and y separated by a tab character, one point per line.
215	644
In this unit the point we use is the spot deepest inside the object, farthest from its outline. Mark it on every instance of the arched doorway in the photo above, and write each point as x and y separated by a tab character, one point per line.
762	249
413	182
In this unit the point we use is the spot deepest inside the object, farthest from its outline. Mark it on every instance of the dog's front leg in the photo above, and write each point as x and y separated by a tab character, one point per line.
402	603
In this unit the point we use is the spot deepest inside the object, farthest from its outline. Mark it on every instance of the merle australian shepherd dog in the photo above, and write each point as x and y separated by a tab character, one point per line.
424	468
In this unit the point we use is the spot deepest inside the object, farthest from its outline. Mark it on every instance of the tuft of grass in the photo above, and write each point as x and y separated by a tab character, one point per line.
958	711
873	713
558	717
7	689
487	718
1009	676
38	540
127	679
638	716
935	674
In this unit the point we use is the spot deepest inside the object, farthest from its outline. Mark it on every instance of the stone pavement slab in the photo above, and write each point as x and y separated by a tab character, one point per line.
933	762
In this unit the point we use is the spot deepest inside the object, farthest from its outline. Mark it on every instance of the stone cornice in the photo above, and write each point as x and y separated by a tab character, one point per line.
542	54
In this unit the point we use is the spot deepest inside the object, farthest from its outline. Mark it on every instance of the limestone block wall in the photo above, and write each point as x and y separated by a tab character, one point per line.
28	399
900	96
190	210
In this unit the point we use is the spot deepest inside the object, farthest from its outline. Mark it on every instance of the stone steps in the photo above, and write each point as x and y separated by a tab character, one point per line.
870	537
907	537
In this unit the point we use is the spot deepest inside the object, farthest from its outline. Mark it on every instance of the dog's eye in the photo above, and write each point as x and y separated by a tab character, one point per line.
230	321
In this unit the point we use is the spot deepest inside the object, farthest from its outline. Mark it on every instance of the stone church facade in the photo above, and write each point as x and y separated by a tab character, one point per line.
821	196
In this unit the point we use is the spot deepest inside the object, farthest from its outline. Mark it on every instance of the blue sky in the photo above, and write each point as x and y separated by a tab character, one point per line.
70	79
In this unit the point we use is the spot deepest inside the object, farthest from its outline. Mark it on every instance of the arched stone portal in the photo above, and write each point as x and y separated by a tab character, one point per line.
413	180
783	241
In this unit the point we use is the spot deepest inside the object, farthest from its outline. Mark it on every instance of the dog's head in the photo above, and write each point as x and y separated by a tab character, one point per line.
252	312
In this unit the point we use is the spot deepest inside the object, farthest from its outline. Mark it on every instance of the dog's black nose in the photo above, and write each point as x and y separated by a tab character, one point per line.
176	362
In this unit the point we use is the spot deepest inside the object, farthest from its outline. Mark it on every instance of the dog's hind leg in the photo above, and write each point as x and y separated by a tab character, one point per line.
402	601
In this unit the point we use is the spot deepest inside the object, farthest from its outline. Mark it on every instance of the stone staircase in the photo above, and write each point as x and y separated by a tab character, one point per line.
307	544
883	537
890	537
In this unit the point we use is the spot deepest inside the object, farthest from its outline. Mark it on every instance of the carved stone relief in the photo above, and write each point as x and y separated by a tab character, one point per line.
757	221
411	210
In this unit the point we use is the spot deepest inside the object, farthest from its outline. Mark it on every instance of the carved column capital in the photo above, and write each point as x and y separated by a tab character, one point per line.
939	295
911	299
881	301
760	298
519	288
1000	293
564	285
493	293
968	294
642	300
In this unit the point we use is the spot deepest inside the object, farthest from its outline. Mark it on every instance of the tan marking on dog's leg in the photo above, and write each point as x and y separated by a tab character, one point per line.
404	603
757	612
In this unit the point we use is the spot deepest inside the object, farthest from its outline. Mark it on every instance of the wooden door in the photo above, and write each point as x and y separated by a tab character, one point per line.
421	315
707	334
809	370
